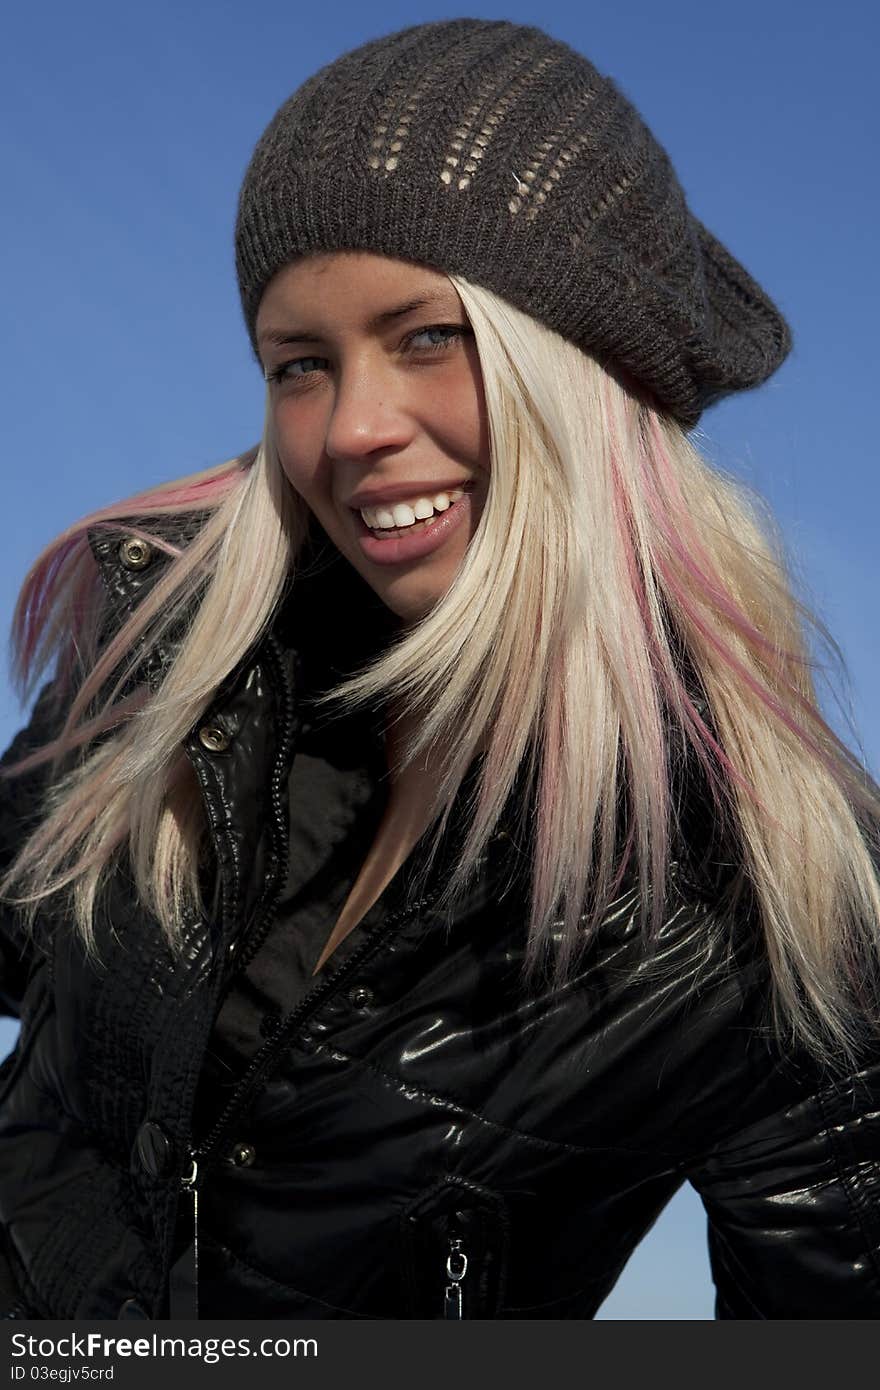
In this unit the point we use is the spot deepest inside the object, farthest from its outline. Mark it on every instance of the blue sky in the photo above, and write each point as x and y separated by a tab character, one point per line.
125	132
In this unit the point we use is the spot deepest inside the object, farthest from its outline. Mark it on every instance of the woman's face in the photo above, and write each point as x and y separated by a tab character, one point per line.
377	402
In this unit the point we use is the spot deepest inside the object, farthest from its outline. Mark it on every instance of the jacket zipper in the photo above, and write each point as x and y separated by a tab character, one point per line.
183	1287
261	1063
184	1274
456	1269
183	1280
254	935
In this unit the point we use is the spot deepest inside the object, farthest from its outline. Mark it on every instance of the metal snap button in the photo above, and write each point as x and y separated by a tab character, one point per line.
213	738
155	1151
361	996
243	1155
135	554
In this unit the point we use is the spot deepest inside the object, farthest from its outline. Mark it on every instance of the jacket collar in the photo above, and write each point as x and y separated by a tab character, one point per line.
330	622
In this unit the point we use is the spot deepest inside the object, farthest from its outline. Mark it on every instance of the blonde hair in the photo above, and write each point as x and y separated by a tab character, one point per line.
622	604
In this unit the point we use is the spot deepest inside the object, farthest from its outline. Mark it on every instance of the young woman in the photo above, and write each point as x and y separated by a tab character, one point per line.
428	852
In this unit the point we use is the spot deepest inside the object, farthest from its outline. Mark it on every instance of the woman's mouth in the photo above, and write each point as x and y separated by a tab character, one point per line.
394	545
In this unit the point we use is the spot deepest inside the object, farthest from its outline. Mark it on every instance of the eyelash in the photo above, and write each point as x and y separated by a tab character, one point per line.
278	374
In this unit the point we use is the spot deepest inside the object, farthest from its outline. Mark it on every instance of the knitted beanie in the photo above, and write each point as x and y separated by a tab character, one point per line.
494	152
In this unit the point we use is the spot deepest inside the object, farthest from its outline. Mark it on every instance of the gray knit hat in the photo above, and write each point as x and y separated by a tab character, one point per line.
494	152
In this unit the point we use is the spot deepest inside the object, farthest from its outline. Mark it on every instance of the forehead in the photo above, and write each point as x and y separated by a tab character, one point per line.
349	287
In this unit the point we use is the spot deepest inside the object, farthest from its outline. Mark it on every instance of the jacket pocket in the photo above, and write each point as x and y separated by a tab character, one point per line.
455	1240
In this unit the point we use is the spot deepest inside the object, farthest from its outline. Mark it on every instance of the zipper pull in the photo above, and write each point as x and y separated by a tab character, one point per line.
183	1280
456	1269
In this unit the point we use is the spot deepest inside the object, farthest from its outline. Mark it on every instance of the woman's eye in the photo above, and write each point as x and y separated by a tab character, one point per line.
440	335
434	338
285	372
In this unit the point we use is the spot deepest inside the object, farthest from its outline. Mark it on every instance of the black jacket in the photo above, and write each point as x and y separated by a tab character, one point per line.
436	1110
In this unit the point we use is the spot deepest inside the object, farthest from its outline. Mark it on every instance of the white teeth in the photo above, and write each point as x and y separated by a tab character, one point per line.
407	513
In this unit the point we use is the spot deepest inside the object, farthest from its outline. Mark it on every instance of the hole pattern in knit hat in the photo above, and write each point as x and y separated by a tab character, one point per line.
393	123
467	161
540	177
583	134
601	205
467	150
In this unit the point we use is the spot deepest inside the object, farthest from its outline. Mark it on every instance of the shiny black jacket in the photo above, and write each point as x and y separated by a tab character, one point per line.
458	1145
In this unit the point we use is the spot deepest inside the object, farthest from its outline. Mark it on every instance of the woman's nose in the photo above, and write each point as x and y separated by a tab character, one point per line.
368	414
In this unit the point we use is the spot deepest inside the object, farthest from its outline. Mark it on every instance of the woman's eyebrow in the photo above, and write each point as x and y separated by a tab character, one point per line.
280	337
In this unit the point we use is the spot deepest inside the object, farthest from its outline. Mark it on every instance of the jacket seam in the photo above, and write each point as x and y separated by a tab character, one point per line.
848	1184
426	1093
514	1309
278	1284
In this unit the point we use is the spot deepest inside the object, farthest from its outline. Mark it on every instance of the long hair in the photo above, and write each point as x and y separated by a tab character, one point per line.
622	603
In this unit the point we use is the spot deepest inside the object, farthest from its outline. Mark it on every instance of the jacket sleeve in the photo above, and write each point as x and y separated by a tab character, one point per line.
20	799
793	1207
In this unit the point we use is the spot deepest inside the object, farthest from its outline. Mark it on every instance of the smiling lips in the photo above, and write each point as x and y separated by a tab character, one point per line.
410	490
412	540
417	511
